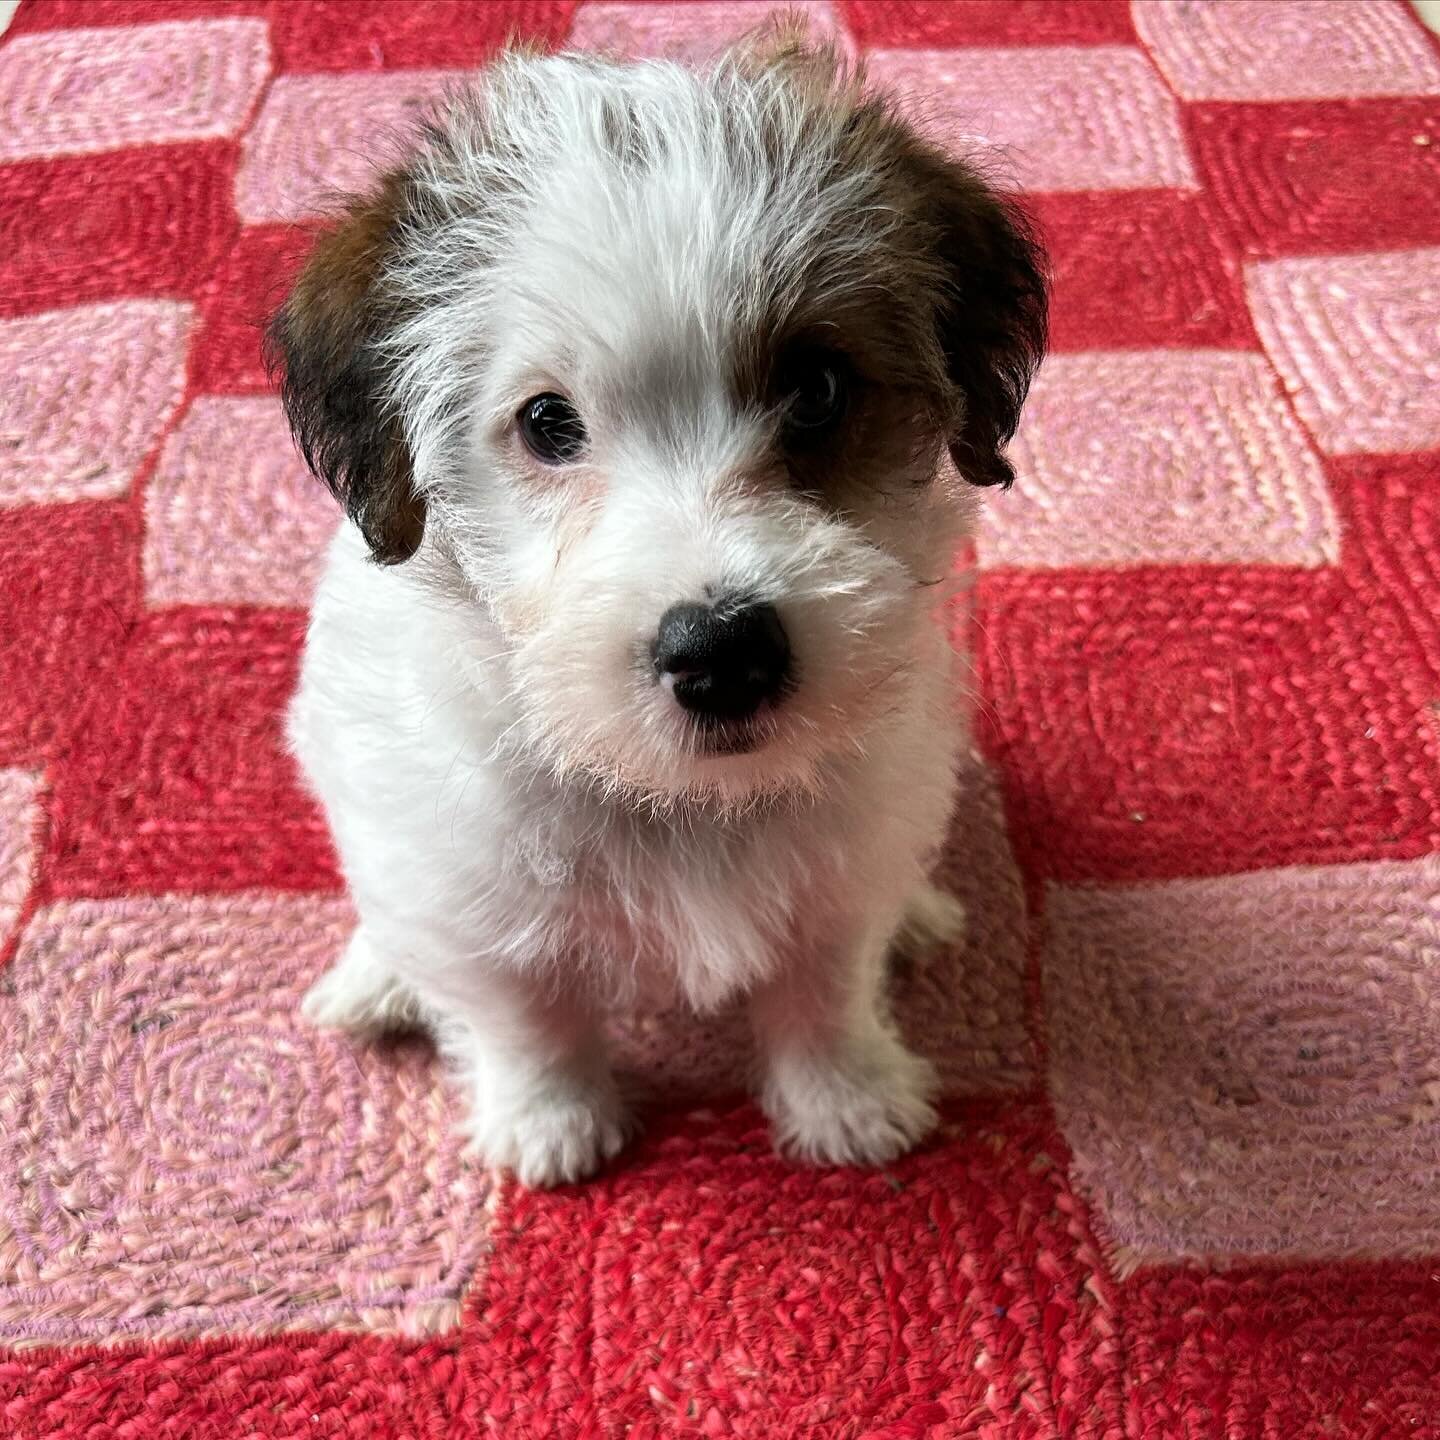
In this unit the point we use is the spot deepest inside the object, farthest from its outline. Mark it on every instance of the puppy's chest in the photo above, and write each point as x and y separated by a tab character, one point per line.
655	915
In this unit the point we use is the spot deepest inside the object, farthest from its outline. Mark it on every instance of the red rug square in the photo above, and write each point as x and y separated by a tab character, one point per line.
1129	711
940	24
935	1298
1344	1351
1320	176
236	305
89	228
1141	270
70	592
178	778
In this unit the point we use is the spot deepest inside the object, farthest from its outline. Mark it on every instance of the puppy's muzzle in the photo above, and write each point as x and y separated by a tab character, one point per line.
722	662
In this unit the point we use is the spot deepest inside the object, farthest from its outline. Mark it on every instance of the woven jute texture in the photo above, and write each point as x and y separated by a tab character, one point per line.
1188	1180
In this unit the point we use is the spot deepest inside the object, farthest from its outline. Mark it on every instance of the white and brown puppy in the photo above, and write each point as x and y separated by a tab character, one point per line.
636	381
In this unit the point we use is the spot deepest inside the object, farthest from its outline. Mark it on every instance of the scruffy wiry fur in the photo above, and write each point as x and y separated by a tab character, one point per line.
531	826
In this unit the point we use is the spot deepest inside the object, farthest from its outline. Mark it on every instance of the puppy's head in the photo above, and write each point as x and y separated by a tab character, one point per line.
664	364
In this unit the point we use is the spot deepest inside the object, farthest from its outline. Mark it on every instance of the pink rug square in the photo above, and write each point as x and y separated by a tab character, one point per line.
19	817
84	393
1357	339
1197	449
180	1154
319	136
1247	1065
1288	49
1068	117
67	92
232	516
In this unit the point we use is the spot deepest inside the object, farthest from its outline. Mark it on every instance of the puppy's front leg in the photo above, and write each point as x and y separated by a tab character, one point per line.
543	1101
839	1085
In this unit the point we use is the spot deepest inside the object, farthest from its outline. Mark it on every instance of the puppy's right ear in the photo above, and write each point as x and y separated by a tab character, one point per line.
327	345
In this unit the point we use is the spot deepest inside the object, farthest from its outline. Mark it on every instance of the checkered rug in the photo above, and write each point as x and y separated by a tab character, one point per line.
1188	1183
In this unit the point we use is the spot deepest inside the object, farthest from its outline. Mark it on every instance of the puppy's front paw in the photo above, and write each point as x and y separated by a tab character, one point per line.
859	1109
553	1136
360	994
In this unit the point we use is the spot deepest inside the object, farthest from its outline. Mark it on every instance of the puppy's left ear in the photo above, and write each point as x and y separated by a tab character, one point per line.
993	312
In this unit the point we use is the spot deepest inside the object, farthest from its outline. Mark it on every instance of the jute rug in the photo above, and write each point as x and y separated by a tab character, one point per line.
1189	1178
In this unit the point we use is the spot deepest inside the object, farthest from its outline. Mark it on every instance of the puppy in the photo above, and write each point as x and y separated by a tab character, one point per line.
628	677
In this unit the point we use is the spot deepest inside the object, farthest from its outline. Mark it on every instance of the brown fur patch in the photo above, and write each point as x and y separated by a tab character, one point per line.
950	323
325	340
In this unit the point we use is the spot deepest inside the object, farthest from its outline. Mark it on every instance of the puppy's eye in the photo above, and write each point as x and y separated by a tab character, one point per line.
815	389
552	429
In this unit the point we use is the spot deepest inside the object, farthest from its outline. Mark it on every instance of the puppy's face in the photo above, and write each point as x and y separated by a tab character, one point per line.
664	365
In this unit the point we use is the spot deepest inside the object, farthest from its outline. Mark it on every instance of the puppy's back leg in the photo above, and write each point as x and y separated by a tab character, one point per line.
361	994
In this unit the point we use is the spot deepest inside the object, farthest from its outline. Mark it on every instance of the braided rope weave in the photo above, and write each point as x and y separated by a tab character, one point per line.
1186	1181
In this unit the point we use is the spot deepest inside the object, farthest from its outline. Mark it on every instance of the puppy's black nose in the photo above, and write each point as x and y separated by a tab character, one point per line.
722	662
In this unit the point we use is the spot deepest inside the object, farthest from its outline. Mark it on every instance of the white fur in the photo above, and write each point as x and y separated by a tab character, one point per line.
527	825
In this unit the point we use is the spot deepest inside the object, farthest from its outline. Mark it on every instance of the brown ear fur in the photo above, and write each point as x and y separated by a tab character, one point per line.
993	300
326	344
993	291
995	322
